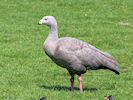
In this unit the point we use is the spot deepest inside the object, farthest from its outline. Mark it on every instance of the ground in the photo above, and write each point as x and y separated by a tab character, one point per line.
26	73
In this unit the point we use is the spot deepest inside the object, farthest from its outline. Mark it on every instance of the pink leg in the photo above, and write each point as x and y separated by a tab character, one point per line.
72	83
80	83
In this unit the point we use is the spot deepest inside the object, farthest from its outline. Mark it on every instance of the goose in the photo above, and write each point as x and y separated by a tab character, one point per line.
108	97
73	54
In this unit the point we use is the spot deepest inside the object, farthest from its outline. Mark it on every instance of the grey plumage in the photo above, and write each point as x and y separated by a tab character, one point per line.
78	56
73	54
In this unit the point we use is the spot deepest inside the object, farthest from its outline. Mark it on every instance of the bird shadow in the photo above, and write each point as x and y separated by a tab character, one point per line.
65	88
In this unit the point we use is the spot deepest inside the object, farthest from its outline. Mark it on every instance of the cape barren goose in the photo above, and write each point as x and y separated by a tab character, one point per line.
75	55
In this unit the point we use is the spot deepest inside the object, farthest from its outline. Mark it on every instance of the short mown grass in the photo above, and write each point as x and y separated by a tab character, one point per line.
26	73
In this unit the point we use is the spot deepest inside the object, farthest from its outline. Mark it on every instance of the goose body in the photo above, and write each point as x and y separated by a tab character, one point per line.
75	55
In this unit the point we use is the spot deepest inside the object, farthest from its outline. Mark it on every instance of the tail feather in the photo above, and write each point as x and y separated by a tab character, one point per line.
116	72
110	63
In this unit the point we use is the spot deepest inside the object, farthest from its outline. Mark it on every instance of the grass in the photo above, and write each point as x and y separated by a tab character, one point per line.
26	73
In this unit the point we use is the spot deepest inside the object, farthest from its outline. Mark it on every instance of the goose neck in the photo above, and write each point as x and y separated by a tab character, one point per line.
53	31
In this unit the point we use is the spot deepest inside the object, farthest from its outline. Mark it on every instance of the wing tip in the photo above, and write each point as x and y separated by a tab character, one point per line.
118	73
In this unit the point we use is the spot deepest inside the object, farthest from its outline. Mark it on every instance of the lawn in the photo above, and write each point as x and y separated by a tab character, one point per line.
26	73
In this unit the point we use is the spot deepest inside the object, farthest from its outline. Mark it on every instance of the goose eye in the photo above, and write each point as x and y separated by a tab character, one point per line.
45	19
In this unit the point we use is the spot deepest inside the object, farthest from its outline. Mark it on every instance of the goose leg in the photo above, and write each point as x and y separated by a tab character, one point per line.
80	83
72	82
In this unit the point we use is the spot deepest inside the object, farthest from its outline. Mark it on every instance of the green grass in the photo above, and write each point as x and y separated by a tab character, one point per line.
26	73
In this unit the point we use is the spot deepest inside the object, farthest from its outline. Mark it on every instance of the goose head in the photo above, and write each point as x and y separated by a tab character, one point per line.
48	20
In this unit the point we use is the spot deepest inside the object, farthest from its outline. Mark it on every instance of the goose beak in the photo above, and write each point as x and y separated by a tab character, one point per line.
40	22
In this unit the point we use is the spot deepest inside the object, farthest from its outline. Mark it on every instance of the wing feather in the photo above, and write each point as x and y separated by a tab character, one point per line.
91	57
